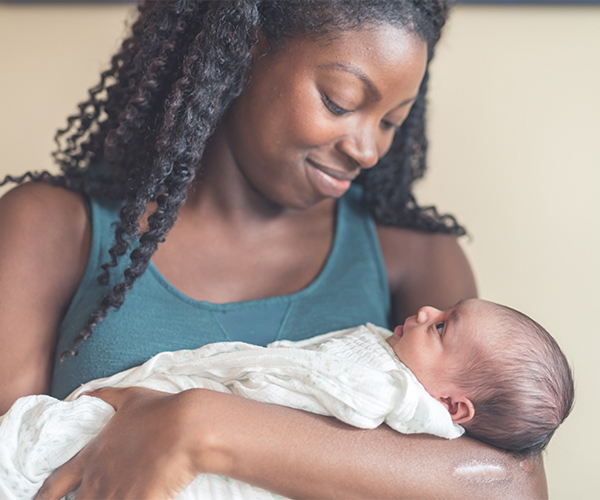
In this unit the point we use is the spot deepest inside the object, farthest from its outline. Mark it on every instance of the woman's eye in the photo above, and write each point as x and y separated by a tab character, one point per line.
440	328
389	125
333	107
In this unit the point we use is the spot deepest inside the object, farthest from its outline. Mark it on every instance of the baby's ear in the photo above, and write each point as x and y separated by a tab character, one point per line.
461	409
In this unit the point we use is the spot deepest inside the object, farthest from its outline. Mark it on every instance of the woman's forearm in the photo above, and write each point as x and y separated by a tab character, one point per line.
301	455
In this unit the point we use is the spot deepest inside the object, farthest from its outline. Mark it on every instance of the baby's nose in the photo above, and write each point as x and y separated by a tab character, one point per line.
427	313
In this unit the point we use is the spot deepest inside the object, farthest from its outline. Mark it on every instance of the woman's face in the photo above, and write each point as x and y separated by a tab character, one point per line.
317	111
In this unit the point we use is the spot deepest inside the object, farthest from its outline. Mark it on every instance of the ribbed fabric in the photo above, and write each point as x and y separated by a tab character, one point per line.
351	289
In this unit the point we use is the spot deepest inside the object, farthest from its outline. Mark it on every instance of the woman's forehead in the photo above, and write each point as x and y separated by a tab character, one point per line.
379	56
384	42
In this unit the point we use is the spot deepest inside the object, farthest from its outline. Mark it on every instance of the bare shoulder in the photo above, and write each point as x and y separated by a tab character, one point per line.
45	224
44	246
424	269
43	200
406	252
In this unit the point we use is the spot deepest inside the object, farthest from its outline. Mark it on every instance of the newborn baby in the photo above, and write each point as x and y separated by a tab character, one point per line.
498	373
486	367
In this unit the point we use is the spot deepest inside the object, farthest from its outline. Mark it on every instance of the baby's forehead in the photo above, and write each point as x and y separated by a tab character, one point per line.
472	309
476	316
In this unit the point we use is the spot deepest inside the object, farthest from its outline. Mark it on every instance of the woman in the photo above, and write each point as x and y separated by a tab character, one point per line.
230	133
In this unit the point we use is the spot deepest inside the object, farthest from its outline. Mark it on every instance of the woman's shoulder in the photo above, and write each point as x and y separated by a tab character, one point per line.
44	247
425	268
43	225
42	209
406	250
28	193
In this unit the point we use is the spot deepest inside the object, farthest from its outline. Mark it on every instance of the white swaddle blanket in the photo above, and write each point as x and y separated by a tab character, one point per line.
351	374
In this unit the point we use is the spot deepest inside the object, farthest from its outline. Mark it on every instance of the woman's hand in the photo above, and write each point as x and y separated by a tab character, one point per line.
143	452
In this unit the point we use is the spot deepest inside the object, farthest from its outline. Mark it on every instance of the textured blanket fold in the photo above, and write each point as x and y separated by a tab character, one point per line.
351	374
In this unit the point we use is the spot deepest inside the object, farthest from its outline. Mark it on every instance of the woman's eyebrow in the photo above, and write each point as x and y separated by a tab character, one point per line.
356	71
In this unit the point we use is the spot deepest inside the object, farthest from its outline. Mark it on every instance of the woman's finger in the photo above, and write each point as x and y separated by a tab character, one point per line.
63	480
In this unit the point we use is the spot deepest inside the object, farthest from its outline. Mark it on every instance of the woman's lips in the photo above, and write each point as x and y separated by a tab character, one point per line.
324	181
399	331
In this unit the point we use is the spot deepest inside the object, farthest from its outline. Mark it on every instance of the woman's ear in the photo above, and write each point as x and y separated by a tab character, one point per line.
261	47
461	408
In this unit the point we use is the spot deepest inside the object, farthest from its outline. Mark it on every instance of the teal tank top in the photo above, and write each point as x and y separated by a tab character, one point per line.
351	289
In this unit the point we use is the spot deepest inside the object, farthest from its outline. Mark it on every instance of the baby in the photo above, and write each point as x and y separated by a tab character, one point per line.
499	373
486	367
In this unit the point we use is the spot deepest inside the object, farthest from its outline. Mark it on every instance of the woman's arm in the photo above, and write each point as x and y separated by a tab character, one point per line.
290	452
157	442
44	246
302	455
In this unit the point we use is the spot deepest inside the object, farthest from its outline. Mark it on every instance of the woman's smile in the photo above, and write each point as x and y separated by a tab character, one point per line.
329	182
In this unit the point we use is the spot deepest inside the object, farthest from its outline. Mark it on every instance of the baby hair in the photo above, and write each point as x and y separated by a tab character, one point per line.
520	384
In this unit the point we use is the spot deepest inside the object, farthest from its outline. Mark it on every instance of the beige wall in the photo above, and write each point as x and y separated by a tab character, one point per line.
515	153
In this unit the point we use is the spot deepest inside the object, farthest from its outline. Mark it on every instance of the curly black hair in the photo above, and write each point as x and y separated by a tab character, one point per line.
141	134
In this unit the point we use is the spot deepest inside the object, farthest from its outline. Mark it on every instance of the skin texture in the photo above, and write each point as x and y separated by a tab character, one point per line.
261	204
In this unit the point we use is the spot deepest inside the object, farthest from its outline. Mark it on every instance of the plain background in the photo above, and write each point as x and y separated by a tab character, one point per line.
515	155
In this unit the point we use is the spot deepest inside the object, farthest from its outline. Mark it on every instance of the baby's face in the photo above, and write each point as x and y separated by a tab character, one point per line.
434	343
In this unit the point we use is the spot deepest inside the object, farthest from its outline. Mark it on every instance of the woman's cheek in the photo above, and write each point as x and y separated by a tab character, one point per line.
307	119
385	143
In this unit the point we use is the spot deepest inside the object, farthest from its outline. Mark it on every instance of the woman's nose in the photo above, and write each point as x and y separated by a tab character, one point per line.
361	147
426	314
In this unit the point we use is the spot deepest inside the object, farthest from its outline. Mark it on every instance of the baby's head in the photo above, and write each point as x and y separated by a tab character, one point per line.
499	374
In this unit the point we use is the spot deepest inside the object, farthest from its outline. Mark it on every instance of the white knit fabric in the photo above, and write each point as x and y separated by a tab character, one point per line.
351	374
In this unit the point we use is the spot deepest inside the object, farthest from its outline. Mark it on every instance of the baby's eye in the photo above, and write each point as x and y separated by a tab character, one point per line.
440	328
